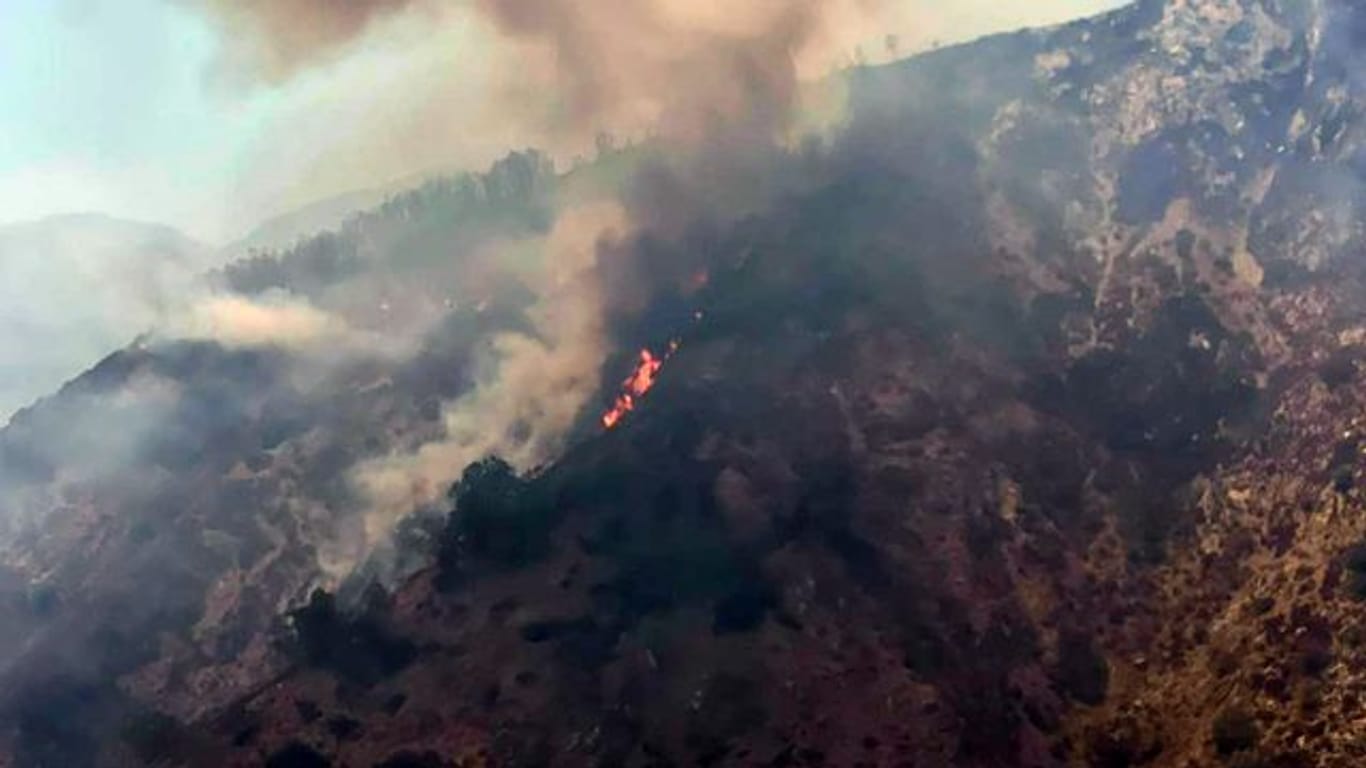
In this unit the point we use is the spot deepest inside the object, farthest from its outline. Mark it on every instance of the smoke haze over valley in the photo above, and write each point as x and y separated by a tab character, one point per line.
682	383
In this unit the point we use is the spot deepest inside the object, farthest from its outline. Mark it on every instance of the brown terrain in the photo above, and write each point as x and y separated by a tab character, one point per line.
1022	427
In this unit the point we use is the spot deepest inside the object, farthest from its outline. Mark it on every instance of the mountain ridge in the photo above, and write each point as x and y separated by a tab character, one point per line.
1014	427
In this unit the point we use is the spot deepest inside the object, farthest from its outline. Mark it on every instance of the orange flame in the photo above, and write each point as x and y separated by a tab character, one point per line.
640	382
697	282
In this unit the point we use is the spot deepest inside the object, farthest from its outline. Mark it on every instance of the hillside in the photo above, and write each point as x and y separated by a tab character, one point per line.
1015	425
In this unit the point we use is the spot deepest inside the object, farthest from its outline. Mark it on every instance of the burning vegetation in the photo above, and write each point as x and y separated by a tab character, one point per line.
635	386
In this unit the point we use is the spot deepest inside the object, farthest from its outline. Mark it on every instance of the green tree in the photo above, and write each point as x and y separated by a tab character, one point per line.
497	518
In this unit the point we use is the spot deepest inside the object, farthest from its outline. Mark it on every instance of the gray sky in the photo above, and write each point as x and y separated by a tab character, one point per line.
124	107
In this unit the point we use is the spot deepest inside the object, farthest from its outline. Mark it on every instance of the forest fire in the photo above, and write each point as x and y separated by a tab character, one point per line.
641	381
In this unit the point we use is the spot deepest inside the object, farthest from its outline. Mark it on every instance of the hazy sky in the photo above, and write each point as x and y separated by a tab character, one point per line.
125	107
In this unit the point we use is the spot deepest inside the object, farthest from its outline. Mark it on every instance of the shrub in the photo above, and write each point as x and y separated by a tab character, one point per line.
408	759
360	649
150	735
1355	560
498	517
1235	730
297	755
1344	478
1082	672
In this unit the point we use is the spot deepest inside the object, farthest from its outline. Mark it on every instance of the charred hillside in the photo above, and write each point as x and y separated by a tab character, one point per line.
1012	435
1015	425
163	509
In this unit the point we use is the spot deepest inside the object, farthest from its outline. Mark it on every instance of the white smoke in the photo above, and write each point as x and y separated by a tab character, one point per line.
533	386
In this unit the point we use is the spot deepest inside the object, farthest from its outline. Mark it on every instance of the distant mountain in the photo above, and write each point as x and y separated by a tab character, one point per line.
288	229
75	288
1018	425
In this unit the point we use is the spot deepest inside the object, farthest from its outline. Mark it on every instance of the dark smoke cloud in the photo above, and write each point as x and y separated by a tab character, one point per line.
682	64
718	81
678	67
276	38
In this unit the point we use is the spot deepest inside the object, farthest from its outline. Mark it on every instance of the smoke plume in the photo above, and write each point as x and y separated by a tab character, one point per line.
676	67
278	320
534	386
718	81
277	38
239	321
